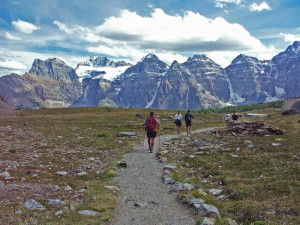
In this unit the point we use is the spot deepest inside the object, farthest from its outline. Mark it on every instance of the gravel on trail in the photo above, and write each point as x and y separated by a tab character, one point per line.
144	198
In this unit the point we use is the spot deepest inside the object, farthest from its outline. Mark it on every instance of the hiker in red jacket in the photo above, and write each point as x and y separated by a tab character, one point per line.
150	126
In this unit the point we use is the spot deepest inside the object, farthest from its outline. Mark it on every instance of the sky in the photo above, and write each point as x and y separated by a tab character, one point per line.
74	30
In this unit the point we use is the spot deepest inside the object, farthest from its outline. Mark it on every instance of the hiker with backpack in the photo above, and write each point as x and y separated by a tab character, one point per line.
151	128
188	121
177	121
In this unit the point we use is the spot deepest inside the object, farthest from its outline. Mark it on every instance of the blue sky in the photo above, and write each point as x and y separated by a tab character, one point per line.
73	30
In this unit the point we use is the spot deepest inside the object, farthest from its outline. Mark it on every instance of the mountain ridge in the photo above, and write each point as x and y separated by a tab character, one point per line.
196	83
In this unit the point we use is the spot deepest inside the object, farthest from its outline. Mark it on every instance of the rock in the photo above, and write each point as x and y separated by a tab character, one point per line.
188	187
208	221
168	180
5	174
261	177
250	146
139	115
276	144
207	210
56	188
72	208
198	144
231	222
112	188
221	197
140	204
169	167
234	156
215	192
32	204
83	173
122	164
18	212
58	213
56	203
128	134
201	191
177	187
1	183
88	213
192	156
194	200
68	188
61	173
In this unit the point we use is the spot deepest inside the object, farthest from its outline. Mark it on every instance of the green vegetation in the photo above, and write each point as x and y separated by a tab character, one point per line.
244	108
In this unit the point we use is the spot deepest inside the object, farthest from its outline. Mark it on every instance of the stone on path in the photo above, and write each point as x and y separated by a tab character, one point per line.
122	164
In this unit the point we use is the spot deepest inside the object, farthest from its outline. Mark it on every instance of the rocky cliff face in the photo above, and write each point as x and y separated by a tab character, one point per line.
29	91
53	68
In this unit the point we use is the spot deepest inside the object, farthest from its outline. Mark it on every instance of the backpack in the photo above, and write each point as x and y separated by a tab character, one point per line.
150	125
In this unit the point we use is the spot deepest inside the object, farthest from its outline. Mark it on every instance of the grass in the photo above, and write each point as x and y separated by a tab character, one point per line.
85	139
262	185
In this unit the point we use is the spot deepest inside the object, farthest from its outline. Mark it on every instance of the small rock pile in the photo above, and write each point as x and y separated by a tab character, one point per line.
250	128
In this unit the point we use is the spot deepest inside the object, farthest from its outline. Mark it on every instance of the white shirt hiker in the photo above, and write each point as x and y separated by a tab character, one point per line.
178	116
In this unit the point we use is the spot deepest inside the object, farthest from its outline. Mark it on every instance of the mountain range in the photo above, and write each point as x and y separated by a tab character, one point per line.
151	83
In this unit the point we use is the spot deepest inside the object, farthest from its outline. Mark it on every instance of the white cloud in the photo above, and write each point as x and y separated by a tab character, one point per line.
11	37
290	37
132	36
24	26
263	6
12	65
223	3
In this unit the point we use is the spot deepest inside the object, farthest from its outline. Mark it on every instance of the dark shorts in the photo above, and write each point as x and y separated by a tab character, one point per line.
188	123
151	134
178	123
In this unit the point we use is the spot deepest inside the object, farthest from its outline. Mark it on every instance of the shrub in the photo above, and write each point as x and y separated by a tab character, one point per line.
102	134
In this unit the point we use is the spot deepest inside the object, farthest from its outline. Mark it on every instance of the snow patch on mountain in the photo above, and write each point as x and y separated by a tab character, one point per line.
105	72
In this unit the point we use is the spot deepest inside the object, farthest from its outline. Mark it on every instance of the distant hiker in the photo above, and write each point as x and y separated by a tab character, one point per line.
177	121
188	121
150	126
234	116
227	117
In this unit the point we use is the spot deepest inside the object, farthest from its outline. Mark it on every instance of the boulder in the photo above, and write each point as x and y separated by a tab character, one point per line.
207	210
32	204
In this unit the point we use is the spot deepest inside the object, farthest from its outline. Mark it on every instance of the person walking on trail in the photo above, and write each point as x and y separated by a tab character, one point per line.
235	116
151	128
227	117
177	121
188	121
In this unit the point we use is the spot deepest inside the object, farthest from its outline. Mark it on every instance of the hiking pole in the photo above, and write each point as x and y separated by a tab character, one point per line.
143	140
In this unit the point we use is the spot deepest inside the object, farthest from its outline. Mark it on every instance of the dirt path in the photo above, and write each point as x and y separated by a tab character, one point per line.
144	198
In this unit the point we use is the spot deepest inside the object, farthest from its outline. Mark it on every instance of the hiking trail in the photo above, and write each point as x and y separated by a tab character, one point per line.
144	198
